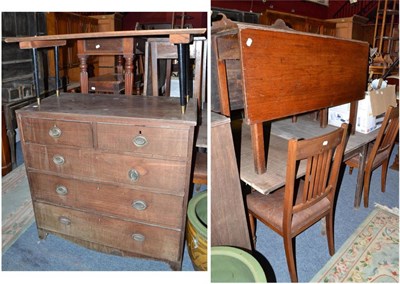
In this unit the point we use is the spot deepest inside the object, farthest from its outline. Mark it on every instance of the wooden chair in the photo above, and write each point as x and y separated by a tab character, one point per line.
302	202
379	153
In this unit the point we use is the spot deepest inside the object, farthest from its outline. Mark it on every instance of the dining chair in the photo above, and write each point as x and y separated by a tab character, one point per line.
379	152
303	201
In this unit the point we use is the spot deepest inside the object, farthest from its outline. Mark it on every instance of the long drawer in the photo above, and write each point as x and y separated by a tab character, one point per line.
155	174
57	132
105	199
129	236
155	141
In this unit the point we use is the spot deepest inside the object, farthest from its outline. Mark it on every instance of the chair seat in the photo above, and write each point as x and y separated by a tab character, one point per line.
271	208
353	162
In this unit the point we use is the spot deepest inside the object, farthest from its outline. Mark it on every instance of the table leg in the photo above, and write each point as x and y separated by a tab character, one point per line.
188	74
84	75
360	176
36	74
257	141
182	76
128	74
56	69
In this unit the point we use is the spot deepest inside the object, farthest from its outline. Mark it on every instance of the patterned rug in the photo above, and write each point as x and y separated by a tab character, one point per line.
371	254
17	211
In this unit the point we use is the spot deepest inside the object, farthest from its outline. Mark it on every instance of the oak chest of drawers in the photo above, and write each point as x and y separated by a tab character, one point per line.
110	172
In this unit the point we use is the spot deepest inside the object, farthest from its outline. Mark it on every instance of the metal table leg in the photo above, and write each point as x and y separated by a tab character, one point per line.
182	75
36	75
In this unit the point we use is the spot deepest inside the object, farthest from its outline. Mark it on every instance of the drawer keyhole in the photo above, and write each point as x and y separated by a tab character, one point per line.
55	132
139	205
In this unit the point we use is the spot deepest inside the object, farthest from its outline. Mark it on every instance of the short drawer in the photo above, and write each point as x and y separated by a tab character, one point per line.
158	175
57	132
152	141
139	238
104	45
162	209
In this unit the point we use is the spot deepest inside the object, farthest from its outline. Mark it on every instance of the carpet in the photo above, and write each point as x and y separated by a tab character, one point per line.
371	254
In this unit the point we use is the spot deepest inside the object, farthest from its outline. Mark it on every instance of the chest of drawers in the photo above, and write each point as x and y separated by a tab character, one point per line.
111	173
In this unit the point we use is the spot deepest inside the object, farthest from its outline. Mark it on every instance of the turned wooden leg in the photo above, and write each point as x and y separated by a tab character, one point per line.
128	74
385	166
84	75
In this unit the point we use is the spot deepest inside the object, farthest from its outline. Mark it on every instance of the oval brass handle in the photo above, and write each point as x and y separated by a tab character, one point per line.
138	237
55	132
61	190
133	175
140	141
64	220
139	205
58	160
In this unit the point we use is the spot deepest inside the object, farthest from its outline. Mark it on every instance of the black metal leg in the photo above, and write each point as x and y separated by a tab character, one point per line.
36	75
56	70
187	64
182	76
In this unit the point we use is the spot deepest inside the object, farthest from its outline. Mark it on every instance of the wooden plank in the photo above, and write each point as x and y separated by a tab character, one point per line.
41	44
308	72
131	33
228	216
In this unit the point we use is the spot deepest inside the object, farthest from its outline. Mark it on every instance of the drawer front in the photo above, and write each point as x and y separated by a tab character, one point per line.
129	236
159	175
105	45
57	132
161	209
144	140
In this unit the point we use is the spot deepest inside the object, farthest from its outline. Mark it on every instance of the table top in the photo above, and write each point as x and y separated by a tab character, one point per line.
281	131
119	108
130	33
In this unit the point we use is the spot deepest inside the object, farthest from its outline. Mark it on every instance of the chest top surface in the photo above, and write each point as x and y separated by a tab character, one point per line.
114	107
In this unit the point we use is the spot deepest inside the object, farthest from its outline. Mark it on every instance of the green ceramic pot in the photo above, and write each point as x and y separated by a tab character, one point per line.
229	264
196	230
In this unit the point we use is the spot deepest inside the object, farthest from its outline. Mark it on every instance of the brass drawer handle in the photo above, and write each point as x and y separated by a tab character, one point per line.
64	220
138	237
61	190
133	175
139	205
140	141
58	160
55	132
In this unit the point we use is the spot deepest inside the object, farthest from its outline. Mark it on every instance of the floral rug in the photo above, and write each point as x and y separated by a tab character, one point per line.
371	254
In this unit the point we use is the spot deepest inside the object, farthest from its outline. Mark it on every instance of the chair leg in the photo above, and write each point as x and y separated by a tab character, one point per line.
385	166
252	222
288	242
367	181
329	233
